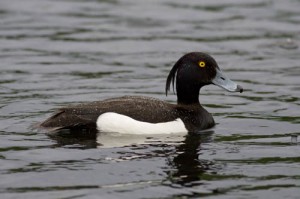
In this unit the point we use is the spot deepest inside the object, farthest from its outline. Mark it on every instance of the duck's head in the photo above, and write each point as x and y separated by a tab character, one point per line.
194	70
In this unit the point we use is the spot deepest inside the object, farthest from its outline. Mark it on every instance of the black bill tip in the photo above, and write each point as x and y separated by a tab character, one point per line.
239	89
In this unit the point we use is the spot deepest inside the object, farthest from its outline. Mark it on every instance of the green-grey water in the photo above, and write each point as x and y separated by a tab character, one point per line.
54	53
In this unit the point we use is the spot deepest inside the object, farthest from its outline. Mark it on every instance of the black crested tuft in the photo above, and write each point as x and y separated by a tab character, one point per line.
172	77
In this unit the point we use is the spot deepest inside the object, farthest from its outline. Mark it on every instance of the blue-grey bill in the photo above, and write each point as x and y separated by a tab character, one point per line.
224	82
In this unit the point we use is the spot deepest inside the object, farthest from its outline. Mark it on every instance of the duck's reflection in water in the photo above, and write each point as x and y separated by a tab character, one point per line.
184	165
109	140
112	140
73	139
187	166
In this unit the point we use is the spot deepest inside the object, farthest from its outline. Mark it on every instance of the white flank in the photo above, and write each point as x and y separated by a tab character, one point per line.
117	123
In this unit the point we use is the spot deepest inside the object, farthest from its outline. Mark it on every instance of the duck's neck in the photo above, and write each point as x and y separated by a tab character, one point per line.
188	94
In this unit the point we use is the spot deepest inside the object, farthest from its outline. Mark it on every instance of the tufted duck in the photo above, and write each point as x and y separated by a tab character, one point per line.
145	115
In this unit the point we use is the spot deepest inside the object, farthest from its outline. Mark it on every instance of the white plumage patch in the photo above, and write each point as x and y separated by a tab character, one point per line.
114	122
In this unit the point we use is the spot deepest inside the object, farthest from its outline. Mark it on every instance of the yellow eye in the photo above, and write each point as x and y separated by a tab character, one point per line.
201	64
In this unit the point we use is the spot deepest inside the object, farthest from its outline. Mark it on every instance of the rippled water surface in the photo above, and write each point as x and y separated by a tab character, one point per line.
54	53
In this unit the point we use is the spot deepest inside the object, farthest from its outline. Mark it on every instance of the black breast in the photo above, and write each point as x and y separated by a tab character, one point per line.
195	117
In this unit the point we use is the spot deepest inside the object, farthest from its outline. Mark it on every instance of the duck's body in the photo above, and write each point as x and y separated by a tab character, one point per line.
143	109
139	114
